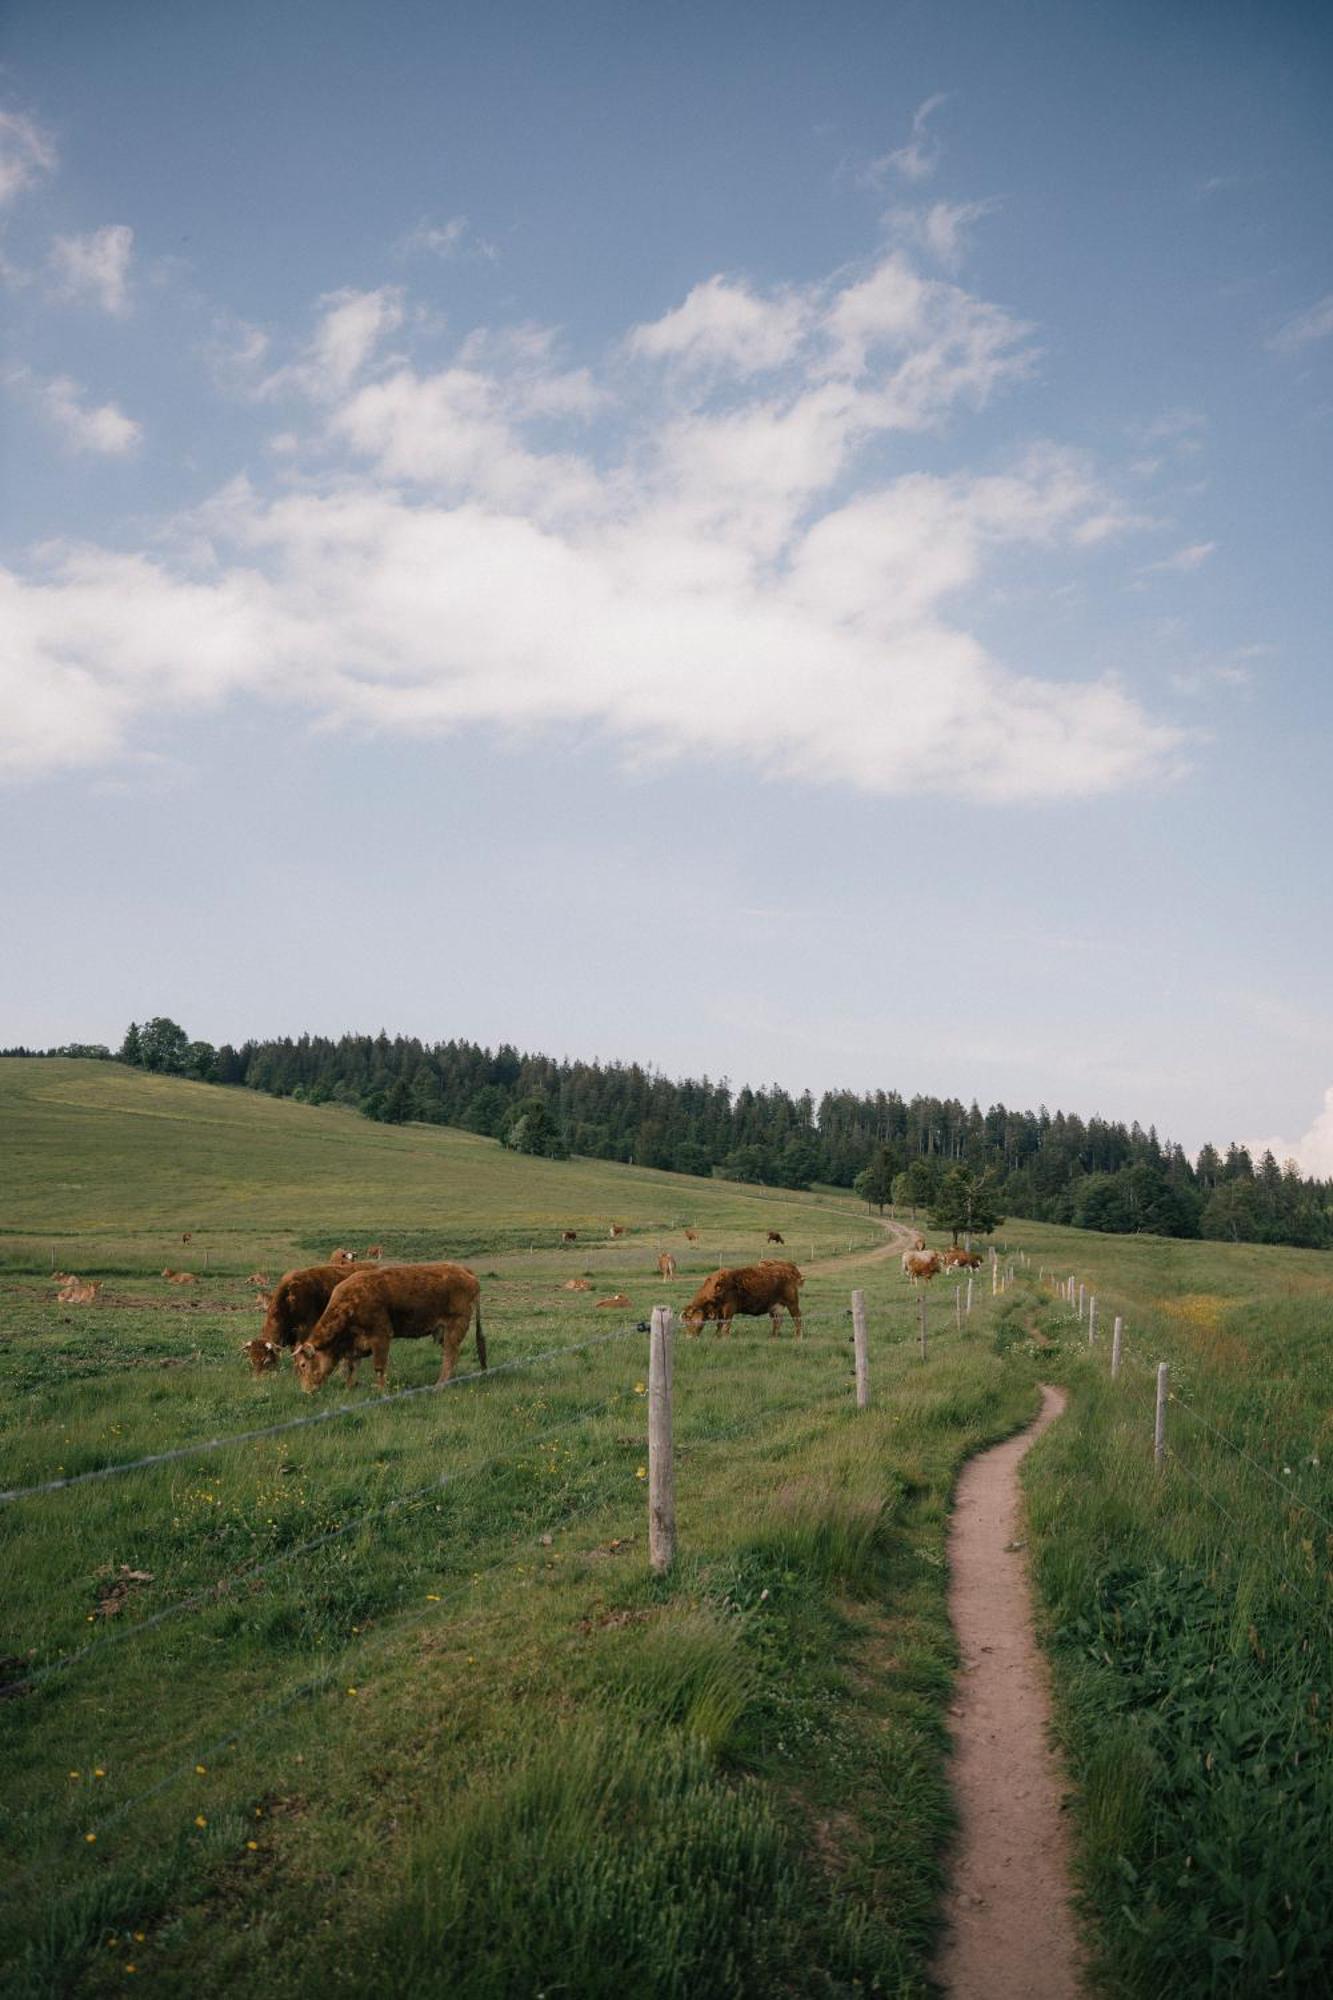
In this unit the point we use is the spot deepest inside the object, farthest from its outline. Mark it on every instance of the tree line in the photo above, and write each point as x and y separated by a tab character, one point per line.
935	1156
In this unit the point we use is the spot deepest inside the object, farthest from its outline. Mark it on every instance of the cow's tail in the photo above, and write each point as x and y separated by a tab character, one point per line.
481	1337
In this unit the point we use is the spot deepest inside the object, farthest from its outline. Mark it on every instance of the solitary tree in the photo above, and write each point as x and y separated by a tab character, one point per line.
965	1203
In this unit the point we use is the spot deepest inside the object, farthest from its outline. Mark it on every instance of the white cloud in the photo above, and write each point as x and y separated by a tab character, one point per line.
725	325
942	229
447	240
95	268
26	153
1183	562
103	428
349	330
1316	323
918	159
1313	1152
715	577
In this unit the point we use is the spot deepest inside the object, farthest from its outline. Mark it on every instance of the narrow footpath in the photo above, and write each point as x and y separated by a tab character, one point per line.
1010	1927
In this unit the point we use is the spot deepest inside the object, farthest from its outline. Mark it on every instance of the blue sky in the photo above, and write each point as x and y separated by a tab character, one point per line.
780	541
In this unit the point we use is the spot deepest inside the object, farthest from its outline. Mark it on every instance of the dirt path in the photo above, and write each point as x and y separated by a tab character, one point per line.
1011	1931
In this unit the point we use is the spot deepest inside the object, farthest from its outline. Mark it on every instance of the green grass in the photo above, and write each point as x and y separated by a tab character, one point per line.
555	1772
1190	1613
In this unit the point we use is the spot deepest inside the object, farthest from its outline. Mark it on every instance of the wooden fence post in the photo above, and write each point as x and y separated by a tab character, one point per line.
958	1307
1092	1321
1159	1423
661	1463
1117	1332
969	1292
859	1345
921	1315
1081	1291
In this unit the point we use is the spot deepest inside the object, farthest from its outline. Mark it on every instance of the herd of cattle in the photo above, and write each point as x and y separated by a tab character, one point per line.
335	1314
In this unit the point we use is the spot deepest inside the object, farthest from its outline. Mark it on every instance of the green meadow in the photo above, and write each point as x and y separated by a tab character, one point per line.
391	1701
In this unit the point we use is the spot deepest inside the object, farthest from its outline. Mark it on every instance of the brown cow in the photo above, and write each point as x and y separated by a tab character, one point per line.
775	1236
180	1277
749	1289
918	1242
616	1299
188	1237
569	1236
617	1229
578	1284
691	1236
340	1256
961	1260
293	1311
258	1278
409	1301
373	1254
666	1265
922	1269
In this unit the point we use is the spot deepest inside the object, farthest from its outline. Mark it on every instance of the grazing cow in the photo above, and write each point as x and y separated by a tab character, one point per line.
617	1229
775	1236
258	1278
188	1237
292	1311
373	1254
78	1291
578	1284
921	1269
569	1236
918	1242
666	1265
407	1301
691	1236
749	1289
616	1299
340	1256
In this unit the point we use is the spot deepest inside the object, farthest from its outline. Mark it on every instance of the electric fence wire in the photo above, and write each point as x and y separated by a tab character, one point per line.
1274	1479
1321	1612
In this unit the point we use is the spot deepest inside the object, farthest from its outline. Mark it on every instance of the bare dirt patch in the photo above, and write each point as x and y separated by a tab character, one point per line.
1010	1927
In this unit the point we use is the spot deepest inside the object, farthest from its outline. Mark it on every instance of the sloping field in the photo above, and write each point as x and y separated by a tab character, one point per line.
108	1167
391	1701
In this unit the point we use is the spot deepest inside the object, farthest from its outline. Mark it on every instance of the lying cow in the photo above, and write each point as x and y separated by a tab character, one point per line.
748	1289
962	1260
294	1309
407	1301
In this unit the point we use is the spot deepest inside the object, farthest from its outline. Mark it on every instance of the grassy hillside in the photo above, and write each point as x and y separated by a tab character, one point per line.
404	1675
108	1167
392	1701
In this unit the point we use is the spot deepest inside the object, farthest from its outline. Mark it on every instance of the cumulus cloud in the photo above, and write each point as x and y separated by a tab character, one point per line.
1316	323
942	229
26	153
95	269
101	428
685	554
1313	1151
447	240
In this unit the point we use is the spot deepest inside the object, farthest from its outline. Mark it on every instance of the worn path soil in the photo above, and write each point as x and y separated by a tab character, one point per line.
1011	1930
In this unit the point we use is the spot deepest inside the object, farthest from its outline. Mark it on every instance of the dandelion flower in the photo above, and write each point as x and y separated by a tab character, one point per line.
73	1774
98	1771
90	1838
199	1820
431	1597
351	1690
253	1846
139	1937
202	1769
641	1472
639	1389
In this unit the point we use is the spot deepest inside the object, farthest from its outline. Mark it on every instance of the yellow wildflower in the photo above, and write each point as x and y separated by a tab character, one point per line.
199	1820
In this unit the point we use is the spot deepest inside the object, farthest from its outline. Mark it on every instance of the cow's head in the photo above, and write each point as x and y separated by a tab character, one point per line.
262	1354
313	1365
